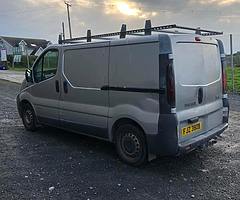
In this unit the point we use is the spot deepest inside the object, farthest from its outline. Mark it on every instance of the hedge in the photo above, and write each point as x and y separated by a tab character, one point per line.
23	63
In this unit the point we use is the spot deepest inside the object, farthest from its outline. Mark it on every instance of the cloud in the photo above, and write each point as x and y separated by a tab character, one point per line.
43	18
229	18
137	8
219	2
57	3
109	7
60	3
128	8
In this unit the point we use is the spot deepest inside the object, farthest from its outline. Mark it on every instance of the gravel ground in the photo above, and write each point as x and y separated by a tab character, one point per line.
54	164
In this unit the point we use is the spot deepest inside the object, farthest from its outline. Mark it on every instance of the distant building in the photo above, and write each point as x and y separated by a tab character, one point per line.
23	46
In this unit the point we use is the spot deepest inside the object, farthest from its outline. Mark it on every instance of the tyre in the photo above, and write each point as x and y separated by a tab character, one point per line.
29	118
131	144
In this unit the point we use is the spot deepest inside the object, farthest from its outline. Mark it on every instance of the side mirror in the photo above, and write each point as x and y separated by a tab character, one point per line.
28	75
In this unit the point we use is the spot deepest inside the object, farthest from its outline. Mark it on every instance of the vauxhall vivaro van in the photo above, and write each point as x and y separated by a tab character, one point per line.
153	94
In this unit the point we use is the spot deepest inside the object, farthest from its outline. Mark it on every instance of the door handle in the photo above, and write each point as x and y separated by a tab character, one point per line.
65	87
105	87
200	95
57	86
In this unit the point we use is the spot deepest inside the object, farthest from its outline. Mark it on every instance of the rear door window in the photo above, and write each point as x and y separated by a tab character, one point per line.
197	63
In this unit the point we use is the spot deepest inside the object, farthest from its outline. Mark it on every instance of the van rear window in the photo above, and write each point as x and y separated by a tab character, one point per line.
197	63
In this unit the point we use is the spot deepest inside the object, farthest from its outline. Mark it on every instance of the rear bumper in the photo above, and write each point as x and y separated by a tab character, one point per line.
201	140
166	142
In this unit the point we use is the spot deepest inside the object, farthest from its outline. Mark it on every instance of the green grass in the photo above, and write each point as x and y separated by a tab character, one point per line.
236	79
17	69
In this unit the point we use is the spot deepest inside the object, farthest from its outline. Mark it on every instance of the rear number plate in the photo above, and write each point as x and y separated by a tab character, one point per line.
188	130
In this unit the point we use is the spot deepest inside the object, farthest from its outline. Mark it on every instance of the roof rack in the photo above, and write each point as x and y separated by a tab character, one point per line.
140	32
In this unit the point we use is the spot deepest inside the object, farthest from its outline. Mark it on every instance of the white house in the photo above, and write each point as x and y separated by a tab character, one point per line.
23	46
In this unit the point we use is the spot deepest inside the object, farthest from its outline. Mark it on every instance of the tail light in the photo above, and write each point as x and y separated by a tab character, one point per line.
224	80
224	65
171	86
224	76
224	83
224	86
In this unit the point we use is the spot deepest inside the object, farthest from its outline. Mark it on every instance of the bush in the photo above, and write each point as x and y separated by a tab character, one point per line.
23	63
236	79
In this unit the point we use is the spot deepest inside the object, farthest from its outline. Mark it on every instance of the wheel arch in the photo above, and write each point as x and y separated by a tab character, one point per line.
122	121
21	106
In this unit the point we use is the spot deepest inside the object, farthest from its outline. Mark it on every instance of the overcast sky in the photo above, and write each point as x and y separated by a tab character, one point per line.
42	18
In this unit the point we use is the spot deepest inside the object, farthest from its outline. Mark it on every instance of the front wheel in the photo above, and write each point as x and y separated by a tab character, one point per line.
29	118
131	144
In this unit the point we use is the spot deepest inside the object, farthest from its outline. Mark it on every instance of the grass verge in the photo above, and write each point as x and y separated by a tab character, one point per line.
236	79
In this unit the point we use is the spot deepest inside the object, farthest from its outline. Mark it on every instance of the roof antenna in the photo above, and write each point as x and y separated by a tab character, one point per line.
198	31
148	27
60	41
89	36
123	32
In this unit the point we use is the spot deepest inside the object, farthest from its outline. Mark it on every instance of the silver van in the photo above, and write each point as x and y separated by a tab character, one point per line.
152	92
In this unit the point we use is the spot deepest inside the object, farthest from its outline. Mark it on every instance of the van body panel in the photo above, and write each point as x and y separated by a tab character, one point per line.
85	104
135	40
135	98
144	115
164	143
45	100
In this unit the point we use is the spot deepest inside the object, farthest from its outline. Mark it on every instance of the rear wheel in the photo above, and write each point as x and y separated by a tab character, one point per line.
131	144
29	118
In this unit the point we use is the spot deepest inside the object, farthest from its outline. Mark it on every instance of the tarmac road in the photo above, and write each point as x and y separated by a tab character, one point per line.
54	164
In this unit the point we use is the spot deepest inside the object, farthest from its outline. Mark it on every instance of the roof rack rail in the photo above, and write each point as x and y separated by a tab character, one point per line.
140	32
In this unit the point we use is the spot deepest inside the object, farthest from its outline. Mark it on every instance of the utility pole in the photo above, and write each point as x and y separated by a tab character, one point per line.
63	29
232	64
69	19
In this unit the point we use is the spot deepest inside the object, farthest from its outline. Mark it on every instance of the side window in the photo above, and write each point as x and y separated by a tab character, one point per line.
46	67
87	67
37	71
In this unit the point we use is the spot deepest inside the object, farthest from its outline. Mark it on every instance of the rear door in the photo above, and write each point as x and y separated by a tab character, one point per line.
198	76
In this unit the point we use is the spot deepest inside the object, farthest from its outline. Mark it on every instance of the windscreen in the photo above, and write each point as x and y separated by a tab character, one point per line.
197	63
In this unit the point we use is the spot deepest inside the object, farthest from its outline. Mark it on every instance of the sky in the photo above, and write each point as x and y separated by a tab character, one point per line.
43	18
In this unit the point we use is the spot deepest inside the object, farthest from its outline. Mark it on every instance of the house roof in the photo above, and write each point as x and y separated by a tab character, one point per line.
31	43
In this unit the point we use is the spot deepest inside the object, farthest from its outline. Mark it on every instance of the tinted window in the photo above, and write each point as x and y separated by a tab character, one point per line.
87	67
197	64
135	66
46	67
37	71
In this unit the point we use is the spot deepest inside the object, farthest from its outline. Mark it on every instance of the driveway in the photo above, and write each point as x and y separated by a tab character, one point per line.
13	76
55	164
